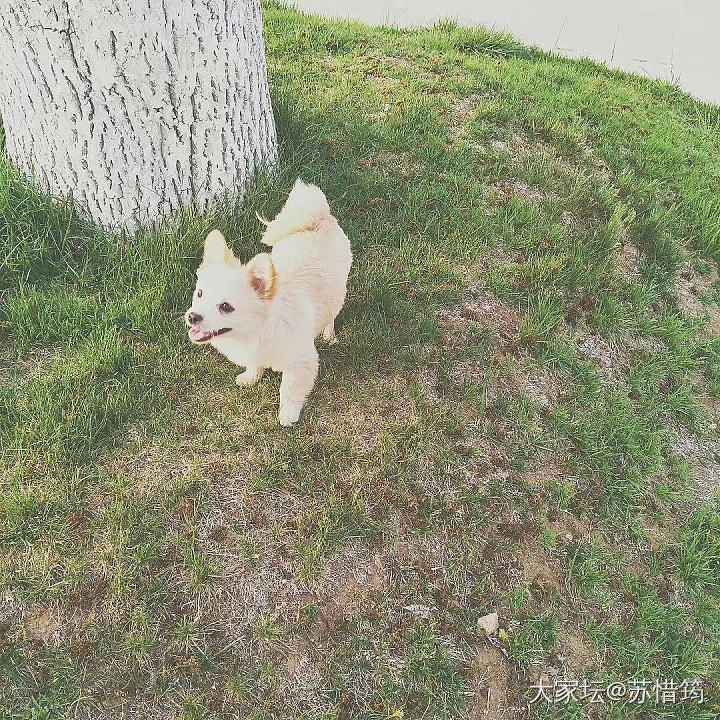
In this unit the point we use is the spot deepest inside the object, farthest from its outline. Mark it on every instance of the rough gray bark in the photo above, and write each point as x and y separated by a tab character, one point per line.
135	107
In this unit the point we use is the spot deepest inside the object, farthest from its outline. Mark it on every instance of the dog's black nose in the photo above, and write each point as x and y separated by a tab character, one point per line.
193	318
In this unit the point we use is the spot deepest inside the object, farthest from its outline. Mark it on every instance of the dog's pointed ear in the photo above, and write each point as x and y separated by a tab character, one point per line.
216	248
261	272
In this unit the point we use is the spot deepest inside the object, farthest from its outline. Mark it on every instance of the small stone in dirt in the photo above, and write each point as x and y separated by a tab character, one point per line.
489	623
422	611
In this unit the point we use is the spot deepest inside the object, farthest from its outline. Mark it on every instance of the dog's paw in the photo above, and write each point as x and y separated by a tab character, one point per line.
288	416
249	377
328	335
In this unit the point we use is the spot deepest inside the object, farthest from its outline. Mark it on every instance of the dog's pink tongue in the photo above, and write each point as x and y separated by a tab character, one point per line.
198	334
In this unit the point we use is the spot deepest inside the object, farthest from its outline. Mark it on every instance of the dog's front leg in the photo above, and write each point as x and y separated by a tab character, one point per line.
297	382
250	376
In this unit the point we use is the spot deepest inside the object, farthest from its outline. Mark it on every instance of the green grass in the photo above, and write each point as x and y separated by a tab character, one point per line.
520	417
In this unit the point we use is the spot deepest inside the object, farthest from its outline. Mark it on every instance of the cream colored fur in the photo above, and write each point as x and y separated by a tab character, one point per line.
281	302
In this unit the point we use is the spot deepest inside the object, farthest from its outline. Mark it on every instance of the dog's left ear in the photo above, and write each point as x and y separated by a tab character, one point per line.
262	275
216	248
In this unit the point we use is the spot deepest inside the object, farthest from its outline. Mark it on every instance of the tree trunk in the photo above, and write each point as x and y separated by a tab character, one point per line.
135	107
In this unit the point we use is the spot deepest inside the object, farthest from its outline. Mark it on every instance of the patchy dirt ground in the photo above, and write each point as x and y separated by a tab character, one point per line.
520	417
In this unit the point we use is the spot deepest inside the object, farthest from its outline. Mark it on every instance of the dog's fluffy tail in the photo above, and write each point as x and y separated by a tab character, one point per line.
304	210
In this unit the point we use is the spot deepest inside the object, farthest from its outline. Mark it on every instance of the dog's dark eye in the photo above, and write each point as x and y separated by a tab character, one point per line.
199	293
225	307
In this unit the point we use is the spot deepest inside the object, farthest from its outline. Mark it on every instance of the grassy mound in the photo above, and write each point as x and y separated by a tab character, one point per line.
520	416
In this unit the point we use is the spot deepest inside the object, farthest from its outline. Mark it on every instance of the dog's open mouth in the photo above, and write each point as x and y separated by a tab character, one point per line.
199	336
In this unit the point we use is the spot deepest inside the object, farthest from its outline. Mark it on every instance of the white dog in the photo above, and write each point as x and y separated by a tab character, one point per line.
269	312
